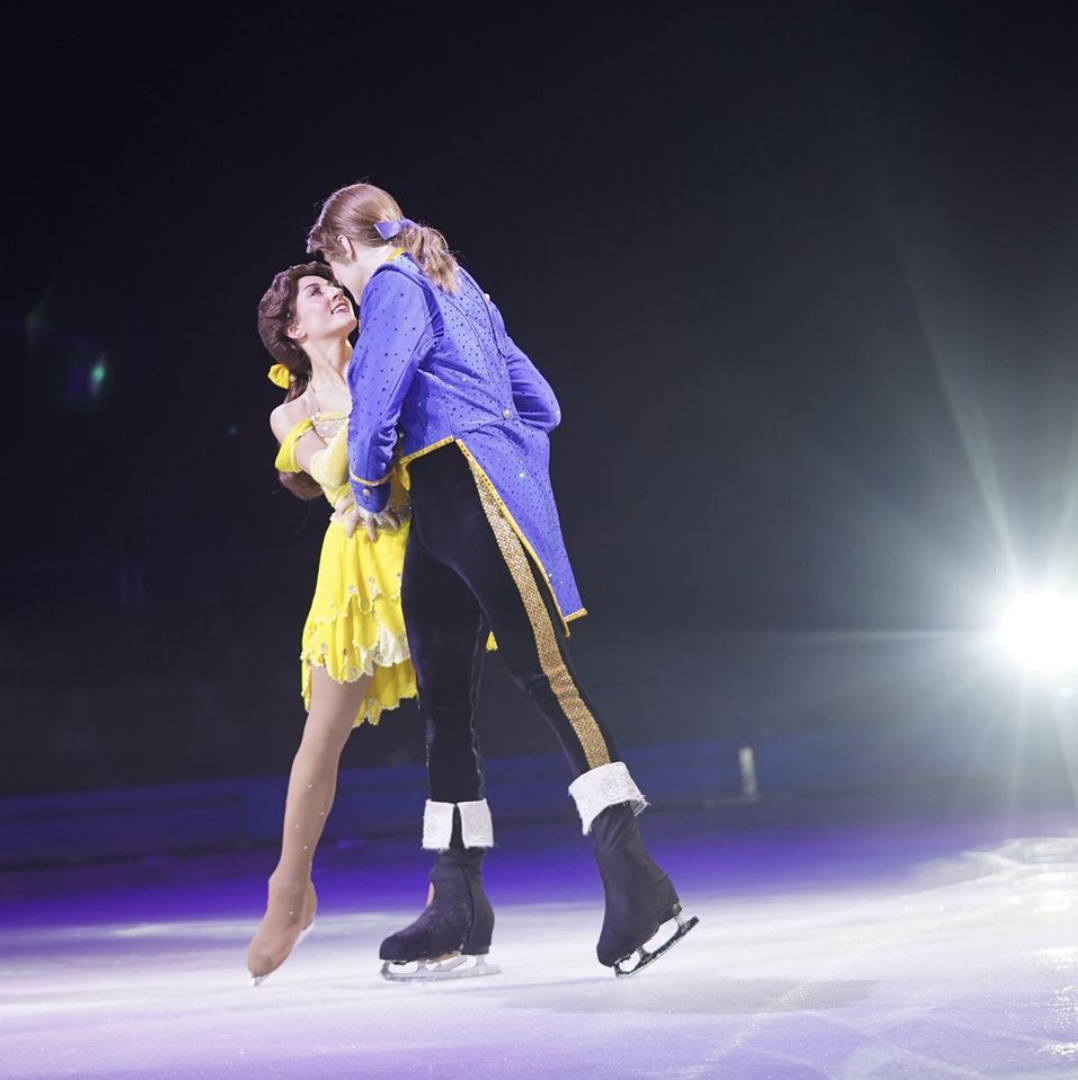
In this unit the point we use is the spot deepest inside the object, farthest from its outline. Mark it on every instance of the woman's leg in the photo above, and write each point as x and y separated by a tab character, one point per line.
311	789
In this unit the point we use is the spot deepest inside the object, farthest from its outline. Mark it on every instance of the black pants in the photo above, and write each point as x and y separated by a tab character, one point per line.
465	571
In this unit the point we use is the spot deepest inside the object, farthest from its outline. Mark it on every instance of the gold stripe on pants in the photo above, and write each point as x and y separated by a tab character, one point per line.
550	659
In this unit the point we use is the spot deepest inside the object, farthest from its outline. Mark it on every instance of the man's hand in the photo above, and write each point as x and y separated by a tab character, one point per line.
384	520
353	516
349	515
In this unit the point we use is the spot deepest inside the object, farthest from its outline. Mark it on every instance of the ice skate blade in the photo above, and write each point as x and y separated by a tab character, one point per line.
258	980
455	967
644	957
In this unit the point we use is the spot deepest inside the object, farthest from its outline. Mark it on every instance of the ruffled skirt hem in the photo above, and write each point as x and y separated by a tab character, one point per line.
333	646
352	642
389	687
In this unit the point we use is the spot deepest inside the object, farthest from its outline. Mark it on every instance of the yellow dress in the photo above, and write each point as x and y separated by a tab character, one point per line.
355	626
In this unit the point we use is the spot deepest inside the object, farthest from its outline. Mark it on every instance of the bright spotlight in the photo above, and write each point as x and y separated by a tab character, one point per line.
1041	631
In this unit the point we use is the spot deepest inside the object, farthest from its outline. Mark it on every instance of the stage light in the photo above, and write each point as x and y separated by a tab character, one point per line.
1040	631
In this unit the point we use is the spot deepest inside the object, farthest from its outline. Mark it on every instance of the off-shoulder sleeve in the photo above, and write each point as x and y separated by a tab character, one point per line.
286	456
397	335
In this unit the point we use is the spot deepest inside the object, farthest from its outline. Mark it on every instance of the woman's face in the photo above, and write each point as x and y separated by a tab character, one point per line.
322	309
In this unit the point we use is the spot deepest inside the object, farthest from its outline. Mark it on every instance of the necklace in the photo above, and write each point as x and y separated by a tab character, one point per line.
318	409
333	389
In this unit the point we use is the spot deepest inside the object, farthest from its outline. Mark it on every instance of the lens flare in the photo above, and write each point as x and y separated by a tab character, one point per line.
98	374
1040	631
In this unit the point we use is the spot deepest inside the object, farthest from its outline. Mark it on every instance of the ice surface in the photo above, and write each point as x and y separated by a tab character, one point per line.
882	950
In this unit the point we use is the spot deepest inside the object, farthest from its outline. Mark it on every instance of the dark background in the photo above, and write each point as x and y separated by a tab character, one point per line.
803	276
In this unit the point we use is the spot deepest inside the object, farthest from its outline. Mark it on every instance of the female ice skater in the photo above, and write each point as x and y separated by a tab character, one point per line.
354	659
436	379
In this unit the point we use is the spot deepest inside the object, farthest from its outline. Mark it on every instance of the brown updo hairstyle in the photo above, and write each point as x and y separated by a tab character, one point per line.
276	311
354	211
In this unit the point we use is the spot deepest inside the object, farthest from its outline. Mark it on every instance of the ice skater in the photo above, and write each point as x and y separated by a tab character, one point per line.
354	659
437	383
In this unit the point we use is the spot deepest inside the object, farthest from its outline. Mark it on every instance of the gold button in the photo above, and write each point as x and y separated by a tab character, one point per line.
367	492
506	413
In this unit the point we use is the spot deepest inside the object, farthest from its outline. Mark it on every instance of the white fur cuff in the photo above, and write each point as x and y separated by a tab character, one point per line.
605	786
476	826
437	825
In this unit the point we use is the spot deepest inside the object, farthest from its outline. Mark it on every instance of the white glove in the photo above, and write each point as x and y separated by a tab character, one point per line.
352	516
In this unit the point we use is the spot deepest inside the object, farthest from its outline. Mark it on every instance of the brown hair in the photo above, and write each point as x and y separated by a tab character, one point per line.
354	211
276	311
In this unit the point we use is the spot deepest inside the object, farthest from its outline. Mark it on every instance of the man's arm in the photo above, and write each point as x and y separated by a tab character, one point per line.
532	395
396	335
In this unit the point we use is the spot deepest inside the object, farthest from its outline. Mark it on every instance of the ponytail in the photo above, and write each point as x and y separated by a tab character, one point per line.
431	252
356	211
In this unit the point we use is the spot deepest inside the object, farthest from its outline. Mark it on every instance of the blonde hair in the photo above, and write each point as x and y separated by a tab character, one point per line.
354	211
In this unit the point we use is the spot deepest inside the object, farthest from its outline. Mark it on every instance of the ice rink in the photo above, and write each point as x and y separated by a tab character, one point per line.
836	941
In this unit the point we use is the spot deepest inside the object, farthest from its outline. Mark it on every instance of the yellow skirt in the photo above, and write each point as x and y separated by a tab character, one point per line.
355	626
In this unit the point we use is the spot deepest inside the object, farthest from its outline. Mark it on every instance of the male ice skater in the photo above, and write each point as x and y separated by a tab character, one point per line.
439	387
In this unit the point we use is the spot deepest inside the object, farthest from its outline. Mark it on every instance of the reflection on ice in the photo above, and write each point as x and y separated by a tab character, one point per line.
1067	1051
1061	958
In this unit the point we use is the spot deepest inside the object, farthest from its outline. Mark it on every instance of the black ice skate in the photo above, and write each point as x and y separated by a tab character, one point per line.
451	939
639	895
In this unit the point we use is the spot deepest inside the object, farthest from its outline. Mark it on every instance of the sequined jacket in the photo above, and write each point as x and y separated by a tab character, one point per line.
432	368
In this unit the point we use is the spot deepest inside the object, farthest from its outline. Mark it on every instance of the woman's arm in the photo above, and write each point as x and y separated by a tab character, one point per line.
303	448
283	421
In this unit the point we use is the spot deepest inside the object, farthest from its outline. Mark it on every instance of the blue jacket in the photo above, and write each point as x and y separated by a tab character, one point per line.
432	368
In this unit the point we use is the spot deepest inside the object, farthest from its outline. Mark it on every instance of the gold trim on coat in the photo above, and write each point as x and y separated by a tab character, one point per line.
478	471
551	661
